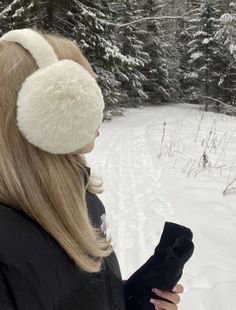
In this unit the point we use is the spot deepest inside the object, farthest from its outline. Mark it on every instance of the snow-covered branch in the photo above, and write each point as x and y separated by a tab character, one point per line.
149	18
8	8
183	16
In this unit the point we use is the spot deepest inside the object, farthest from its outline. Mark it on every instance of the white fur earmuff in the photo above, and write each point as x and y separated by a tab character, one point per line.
60	105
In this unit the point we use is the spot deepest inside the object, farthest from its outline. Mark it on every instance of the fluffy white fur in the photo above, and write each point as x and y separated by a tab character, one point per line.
32	41
60	107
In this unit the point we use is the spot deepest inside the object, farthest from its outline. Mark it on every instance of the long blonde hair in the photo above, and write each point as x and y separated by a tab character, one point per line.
48	187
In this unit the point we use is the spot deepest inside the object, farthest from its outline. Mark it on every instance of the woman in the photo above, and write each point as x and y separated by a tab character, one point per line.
53	253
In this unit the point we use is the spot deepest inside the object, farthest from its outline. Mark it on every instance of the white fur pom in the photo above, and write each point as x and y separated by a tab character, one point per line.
60	107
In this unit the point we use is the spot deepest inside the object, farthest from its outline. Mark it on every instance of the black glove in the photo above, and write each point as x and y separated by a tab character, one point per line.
162	270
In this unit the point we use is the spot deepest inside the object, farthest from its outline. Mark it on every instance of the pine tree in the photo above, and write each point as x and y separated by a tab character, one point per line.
130	40
19	14
226	36
184	36
162	72
205	62
91	25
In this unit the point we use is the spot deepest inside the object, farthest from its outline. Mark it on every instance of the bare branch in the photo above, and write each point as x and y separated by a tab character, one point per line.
232	108
183	16
199	125
148	18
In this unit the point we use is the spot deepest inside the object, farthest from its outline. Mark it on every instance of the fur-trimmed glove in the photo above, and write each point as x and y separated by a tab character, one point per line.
162	270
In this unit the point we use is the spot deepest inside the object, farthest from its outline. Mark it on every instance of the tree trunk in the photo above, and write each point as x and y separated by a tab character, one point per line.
50	11
225	5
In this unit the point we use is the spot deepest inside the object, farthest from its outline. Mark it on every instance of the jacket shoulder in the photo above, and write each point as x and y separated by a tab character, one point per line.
19	233
12	222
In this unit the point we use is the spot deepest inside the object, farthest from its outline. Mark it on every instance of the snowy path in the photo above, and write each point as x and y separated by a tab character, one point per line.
143	190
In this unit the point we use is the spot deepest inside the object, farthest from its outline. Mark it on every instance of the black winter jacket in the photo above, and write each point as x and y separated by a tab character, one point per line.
37	274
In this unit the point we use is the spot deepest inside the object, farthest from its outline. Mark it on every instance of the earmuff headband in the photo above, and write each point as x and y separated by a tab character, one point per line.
60	105
35	43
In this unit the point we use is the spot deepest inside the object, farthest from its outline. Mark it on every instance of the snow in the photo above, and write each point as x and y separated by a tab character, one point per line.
114	51
194	20
226	18
147	182
207	40
8	8
196	55
18	12
200	33
232	48
87	12
191	75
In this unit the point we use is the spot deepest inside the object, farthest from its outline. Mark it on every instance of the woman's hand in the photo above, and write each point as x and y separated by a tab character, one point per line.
173	297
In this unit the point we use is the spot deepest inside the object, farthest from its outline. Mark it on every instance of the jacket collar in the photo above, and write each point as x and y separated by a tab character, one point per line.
85	177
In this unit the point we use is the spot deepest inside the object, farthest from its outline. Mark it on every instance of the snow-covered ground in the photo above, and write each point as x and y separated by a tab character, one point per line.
173	163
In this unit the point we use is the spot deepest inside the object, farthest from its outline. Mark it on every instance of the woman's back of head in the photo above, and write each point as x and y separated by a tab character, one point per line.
48	187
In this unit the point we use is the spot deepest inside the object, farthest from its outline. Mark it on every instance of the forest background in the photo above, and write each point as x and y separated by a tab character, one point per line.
145	52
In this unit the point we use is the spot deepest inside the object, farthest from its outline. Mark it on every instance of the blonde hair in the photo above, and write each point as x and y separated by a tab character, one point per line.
48	187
